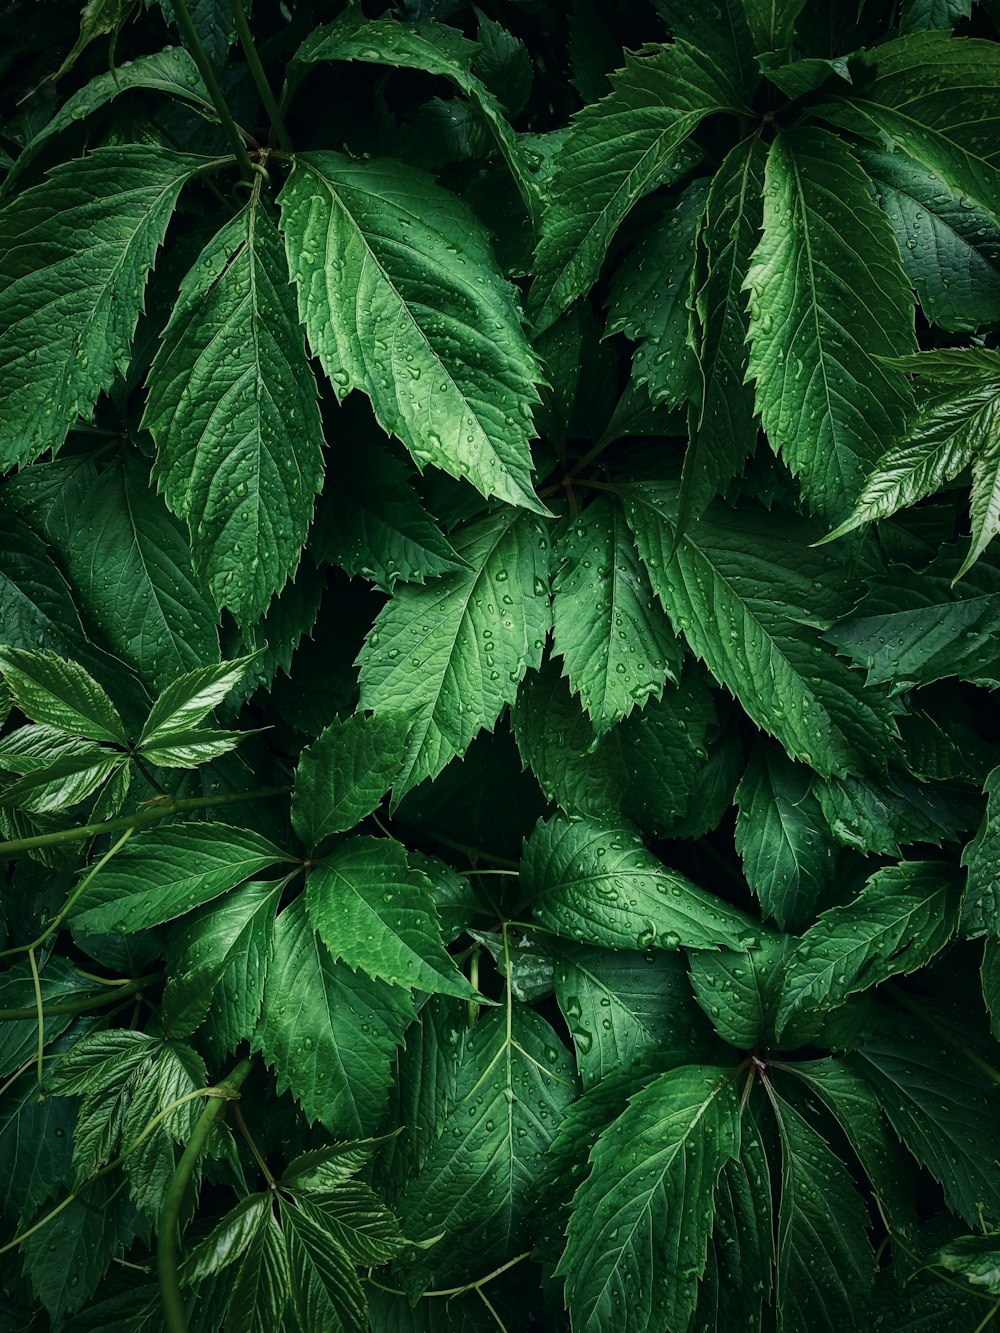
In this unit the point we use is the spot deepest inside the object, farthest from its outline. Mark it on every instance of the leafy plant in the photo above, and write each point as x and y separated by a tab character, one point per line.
498	619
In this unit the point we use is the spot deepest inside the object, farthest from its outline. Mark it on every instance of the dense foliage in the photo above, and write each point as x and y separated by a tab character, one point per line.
499	614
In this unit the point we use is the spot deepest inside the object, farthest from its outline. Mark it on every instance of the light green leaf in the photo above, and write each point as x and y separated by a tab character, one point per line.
101	1059
514	1083
825	1262
723	425
326	1291
77	249
164	872
945	1112
228	1240
389	264
437	49
641	1221
598	884
616	644
229	388
975	1259
65	781
216	965
376	913
950	250
357	1221
188	749
903	916
171	71
788	855
956	428
616	152
329	1033
372	523
650	298
981	903
746	592
346	771
189	699
59	693
828	298
152	1158
618	1007
935	97
451	654
131	567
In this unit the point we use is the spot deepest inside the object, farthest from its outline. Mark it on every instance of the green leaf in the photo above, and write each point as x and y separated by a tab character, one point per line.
981	857
217	962
650	297
344	774
329	1033
385	259
738	1277
514	1083
616	645
950	250
990	975
77	251
597	883
223	460
944	1112
451	654
955	429
376	913
372	523
36	604
152	1157
99	1060
171	71
746	593
36	1146
639	1228
65	781
261	1286
188	749
164	872
903	916
60	694
357	1220
228	1239
325	1289
940	631
739	990
617	151
882	817
788	857
214	23
856	1109
437	49
66	1259
723	425
931	15
97	18
619	1007
828	298
935	97
771	22
189	699
825	1263
142	592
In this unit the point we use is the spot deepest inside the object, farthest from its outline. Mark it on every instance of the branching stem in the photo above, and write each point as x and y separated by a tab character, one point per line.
193	43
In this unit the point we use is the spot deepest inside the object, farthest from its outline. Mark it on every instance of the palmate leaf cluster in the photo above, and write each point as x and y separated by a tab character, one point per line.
498	632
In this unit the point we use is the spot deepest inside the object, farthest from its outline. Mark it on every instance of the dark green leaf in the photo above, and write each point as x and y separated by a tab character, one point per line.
345	773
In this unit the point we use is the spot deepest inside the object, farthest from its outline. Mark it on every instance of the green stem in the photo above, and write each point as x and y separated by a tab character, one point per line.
175	1320
259	77
39	1013
193	43
155	810
80	1006
473	1005
251	1143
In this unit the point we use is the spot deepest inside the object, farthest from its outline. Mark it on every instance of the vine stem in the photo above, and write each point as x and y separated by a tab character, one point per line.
81	1006
193	42
175	1320
259	77
155	810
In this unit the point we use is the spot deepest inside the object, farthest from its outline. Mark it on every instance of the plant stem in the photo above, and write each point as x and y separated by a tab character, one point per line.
155	810
175	1320
259	77
40	1016
81	1006
193	43
251	1143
